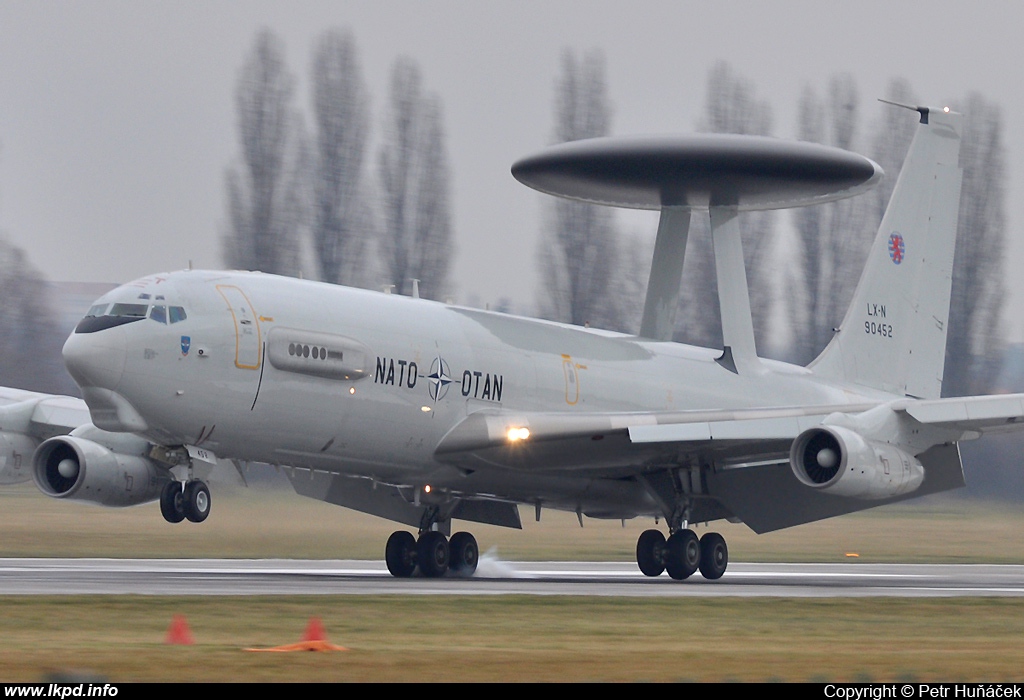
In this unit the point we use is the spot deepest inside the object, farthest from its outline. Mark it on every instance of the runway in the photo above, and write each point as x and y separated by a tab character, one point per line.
211	577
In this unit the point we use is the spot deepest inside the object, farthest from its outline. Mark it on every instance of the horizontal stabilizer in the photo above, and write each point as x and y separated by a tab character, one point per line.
973	415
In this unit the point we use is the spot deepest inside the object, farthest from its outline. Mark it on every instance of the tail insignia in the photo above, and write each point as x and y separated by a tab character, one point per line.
897	248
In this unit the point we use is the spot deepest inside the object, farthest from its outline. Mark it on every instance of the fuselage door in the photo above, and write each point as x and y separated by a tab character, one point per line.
572	380
247	327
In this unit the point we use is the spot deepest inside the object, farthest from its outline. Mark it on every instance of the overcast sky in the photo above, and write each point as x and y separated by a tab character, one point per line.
117	118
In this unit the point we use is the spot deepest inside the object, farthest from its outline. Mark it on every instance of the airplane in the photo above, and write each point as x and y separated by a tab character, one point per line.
424	413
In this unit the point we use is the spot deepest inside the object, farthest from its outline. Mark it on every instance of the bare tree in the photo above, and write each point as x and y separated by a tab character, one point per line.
974	346
731	107
830	237
579	257
266	200
30	337
341	215
627	287
417	238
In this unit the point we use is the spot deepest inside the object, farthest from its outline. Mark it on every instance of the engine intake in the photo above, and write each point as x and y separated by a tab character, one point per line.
841	462
82	470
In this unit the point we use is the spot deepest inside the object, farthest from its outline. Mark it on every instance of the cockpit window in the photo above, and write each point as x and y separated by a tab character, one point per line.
102	316
130	310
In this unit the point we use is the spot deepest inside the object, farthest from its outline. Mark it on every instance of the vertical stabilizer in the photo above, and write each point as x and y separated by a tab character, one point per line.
894	335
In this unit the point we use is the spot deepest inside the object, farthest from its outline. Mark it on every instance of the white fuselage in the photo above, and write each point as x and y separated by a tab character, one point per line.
248	374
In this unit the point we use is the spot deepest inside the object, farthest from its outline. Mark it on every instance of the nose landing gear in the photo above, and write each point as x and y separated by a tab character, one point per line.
189	500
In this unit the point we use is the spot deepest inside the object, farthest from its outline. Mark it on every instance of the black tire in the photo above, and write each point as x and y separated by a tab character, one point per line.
714	556
197	501
683	554
432	554
172	502
650	552
463	554
400	554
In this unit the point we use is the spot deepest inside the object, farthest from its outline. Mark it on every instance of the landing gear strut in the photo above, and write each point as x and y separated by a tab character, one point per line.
433	554
682	554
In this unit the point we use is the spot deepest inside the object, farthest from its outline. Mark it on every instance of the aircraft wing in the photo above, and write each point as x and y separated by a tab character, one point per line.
605	443
40	416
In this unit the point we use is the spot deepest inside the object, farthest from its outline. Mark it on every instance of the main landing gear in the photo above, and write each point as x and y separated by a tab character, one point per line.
190	500
433	554
682	554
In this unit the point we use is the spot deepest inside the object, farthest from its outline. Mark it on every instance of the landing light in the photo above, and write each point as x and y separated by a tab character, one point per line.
518	434
425	409
945	109
351	390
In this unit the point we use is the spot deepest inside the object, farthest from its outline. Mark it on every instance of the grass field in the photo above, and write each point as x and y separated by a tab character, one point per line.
413	638
517	638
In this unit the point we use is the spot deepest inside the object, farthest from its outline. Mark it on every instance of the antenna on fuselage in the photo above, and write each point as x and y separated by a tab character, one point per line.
724	174
415	288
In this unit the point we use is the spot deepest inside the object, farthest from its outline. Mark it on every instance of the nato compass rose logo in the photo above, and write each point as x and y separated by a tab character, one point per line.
439	378
897	249
186	343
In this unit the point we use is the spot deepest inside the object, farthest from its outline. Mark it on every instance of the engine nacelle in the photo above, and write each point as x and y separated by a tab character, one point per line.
15	457
841	462
79	469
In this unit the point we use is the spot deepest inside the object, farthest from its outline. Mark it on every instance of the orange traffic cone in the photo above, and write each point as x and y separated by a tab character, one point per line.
314	631
179	632
314	639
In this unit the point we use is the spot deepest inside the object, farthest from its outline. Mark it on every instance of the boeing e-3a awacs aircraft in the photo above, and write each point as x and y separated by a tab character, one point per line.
425	413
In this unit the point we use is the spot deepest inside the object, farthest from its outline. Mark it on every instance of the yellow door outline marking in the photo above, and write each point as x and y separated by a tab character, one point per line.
572	379
255	319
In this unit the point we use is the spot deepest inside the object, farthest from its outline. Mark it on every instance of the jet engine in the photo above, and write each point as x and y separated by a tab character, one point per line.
841	462
15	452
116	474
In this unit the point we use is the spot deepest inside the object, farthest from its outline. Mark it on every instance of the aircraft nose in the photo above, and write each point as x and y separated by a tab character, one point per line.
96	359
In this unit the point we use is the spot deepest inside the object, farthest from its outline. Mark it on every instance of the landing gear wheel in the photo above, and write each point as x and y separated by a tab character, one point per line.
196	501
463	554
650	552
172	502
400	554
714	556
432	554
683	554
